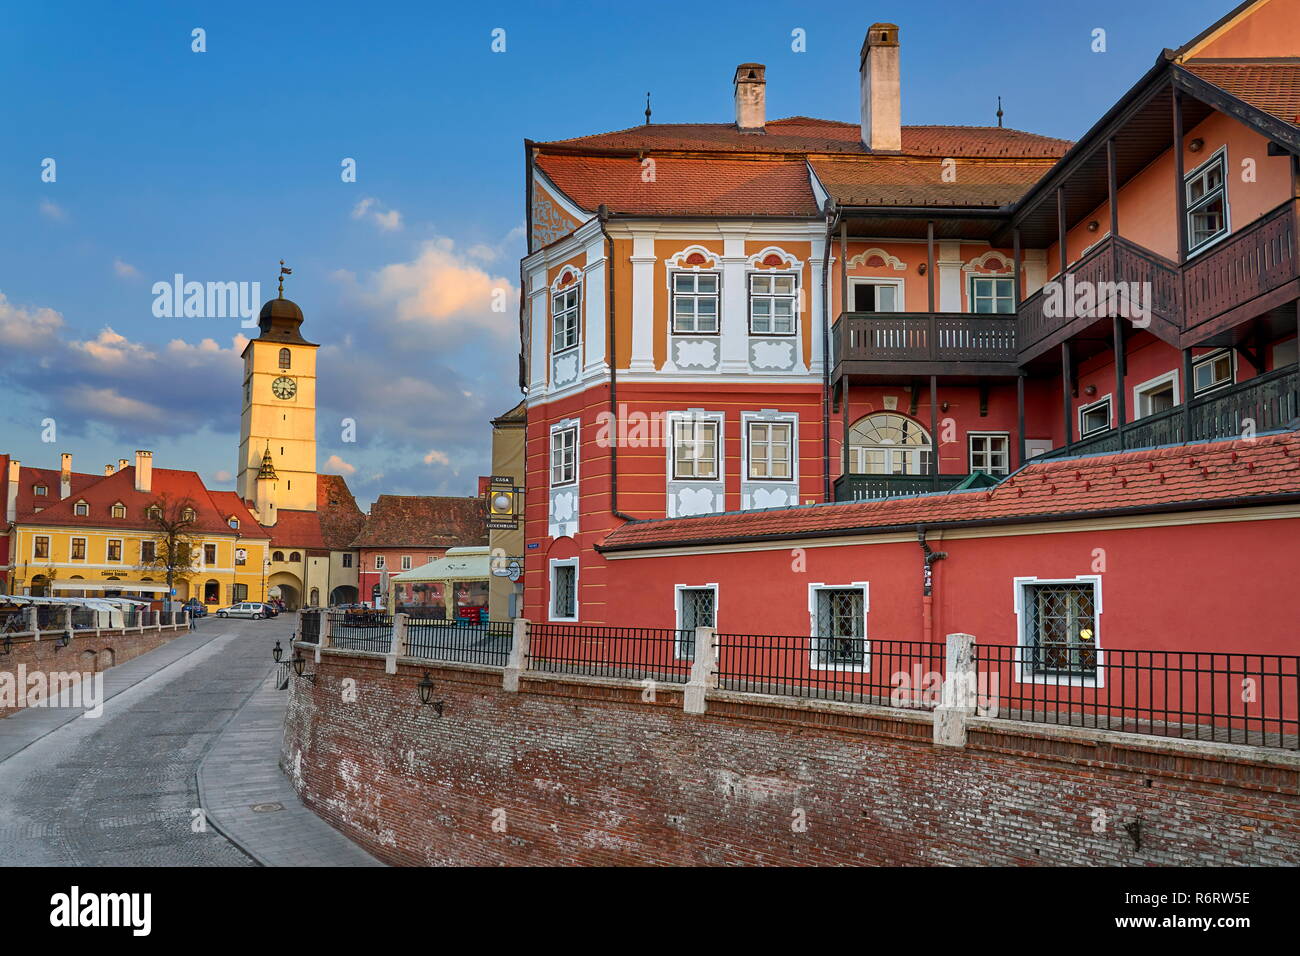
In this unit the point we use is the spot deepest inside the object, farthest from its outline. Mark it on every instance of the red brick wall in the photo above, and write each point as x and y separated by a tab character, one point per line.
110	648
591	774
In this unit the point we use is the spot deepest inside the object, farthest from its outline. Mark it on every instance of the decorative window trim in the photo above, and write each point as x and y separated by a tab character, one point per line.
550	577
974	277
1110	415
1170	377
788	263
81	509
48	543
1219	155
672	301
108	550
970	451
718	420
569	280
113	511
992	264
890	262
41	490
556	429
900	287
678	649
813	589
1020	586
796	296
678	261
769	417
1213	357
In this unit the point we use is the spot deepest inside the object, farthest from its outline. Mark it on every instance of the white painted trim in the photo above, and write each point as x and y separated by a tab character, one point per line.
1222	151
970	458
557	427
1151	384
550	585
1210	356
790	262
865	587
677	609
1106	400
1019	584
899	284
769	416
860	261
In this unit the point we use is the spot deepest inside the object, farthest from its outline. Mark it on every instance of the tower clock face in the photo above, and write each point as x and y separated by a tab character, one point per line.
284	387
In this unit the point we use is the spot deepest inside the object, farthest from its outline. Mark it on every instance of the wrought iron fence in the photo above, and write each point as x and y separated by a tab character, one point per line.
49	617
642	653
309	627
1237	698
443	640
363	631
904	674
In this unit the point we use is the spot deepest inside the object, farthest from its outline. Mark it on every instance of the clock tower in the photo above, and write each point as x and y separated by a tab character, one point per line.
278	423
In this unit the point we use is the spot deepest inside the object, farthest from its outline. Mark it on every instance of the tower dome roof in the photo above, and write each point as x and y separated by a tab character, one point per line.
281	319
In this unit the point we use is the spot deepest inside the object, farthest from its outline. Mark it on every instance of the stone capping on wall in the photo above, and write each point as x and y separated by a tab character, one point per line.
1253	768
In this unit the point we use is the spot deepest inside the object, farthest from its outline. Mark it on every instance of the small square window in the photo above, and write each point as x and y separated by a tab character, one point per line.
406	562
78	549
990	294
81	509
990	453
1094	418
1060	630
770	451
564	447
695	303
380	562
564	320
564	592
1213	371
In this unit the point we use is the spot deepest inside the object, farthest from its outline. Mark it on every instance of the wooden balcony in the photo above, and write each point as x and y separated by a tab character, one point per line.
1246	274
1268	401
871	487
922	343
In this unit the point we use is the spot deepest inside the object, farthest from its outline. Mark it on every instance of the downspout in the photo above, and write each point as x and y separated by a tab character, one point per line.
602	214
927	590
826	358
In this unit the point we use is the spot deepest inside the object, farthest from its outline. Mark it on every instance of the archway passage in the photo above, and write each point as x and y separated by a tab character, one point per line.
889	444
343	594
211	591
40	586
287	588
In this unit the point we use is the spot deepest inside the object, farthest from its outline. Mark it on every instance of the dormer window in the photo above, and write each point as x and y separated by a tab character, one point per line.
119	510
81	509
285	358
188	514
40	490
154	513
234	523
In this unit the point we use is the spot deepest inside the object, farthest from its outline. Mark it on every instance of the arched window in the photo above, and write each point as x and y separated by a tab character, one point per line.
315	597
278	556
889	444
295	556
284	358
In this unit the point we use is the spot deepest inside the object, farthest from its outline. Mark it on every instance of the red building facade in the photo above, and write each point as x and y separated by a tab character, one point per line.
721	320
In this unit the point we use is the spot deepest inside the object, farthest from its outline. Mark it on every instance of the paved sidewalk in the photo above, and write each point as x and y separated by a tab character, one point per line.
241	771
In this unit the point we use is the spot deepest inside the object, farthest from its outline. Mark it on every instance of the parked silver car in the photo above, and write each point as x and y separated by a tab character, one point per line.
244	609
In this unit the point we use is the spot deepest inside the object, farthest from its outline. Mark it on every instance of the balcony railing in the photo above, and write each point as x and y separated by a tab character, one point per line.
869	487
1267	401
915	337
1251	262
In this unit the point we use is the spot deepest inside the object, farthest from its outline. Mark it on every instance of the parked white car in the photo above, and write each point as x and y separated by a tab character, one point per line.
245	609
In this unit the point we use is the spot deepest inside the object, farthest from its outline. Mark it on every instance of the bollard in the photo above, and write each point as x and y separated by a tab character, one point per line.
958	702
704	671
517	662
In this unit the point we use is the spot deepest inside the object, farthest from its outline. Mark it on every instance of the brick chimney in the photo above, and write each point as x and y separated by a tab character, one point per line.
751	97
144	471
65	475
882	114
11	497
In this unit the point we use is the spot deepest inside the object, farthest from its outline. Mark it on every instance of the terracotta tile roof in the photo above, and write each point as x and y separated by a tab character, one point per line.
29	478
1270	85
340	518
805	134
868	181
1184	476
684	187
229	505
297	529
421	521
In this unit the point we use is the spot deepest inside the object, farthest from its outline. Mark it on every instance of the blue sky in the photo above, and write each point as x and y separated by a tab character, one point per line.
217	164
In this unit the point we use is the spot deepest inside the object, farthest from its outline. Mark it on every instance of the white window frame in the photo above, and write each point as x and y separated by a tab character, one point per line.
687	418
1141	409
1110	415
970	450
558	430
381	562
1020	586
898	284
49	547
813	590
748	420
1219	155
1213	357
678	590
673	295
72	541
81	509
574	311
406	562
121	550
793	296
550	598
345	559
989	277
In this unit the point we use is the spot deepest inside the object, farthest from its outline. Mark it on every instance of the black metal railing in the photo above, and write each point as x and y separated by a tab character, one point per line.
366	631
640	653
903	674
1227	697
441	640
309	628
1267	402
853	487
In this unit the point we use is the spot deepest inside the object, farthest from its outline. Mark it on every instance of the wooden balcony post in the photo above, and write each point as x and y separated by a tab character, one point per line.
1121	368
1188	385
929	267
1112	188
934	429
1020	419
844	280
1015	252
1062	257
1066	376
1179	185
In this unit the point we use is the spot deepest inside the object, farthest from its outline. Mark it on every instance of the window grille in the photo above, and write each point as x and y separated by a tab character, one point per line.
840	640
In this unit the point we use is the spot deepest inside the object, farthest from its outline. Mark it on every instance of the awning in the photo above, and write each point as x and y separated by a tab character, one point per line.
458	564
82	586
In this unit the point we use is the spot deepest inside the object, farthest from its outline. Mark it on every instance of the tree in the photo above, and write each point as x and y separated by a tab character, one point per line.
176	545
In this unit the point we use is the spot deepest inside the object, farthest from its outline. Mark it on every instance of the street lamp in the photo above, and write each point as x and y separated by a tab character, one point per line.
277	652
8	646
425	688
299	662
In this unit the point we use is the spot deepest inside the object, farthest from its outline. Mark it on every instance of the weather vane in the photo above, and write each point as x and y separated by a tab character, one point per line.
283	272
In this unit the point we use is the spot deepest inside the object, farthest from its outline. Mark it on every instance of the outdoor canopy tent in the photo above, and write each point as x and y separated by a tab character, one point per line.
464	572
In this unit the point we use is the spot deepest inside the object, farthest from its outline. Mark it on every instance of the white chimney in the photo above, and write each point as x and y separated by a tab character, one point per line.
882	115
15	475
122	463
144	471
65	475
108	469
751	97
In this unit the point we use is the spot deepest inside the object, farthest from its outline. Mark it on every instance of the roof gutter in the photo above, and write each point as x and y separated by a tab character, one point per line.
912	528
602	214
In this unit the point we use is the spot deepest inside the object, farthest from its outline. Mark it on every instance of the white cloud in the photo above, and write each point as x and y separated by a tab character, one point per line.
384	219
125	270
27	329
52	210
222	476
110	404
335	464
112	349
436	457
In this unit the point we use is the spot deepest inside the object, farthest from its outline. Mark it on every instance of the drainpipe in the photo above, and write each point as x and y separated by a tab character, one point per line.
927	590
826	356
603	214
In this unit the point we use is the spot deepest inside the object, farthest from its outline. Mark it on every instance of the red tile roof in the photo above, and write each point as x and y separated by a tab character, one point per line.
805	134
1183	477
1269	85
29	478
420	521
880	181
297	529
230	505
340	518
684	187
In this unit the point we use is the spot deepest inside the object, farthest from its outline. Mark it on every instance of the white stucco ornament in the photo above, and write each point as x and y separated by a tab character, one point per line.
773	354
694	501
562	506
771	498
695	353
566	368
